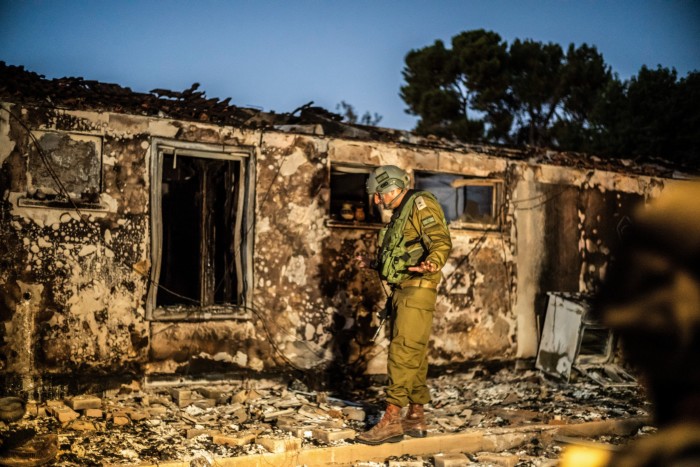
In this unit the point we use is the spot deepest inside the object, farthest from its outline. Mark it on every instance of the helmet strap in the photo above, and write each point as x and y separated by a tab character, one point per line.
390	205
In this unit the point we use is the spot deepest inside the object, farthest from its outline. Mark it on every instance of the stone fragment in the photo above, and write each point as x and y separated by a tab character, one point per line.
238	439
182	397
213	393
313	413
331	435
32	408
81	425
272	415
204	403
93	413
136	415
83	402
120	420
452	459
354	413
279	444
155	411
62	413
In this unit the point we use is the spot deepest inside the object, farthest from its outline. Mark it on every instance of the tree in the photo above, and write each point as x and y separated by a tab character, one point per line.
654	114
445	87
532	93
483	90
350	116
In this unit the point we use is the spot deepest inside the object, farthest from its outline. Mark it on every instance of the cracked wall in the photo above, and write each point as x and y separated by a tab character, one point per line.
73	285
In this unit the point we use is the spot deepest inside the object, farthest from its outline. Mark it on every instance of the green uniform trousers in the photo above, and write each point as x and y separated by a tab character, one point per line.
412	320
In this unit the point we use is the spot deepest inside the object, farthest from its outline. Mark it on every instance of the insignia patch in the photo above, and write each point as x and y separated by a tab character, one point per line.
428	221
420	203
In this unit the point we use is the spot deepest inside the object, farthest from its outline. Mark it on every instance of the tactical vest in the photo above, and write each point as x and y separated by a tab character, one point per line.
395	254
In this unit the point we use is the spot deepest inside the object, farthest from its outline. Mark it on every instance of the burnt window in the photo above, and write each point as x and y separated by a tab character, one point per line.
202	239
350	204
64	169
467	202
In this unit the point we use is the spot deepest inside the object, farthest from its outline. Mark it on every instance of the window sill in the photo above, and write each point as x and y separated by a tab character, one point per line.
24	202
209	313
336	224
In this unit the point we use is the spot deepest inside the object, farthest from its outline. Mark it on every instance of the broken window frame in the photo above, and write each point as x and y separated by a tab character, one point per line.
370	209
243	234
51	196
464	181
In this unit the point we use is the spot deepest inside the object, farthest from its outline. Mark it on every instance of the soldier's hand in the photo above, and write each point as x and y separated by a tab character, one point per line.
425	266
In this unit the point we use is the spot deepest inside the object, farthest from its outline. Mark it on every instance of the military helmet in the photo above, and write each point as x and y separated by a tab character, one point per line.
386	178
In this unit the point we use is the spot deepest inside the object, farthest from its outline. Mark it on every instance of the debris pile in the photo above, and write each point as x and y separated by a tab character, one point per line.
200	423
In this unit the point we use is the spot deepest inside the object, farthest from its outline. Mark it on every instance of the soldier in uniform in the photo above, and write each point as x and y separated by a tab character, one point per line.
412	250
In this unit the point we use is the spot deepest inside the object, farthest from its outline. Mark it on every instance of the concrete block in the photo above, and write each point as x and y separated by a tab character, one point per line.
500	460
453	459
213	393
331	435
84	402
272	415
204	403
182	397
238	439
294	427
136	415
62	413
279	444
93	413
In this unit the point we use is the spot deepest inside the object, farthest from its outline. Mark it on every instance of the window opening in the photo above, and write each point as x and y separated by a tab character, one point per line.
467	202
350	204
201	248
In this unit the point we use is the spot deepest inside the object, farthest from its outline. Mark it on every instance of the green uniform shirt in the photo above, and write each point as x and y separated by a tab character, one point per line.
427	222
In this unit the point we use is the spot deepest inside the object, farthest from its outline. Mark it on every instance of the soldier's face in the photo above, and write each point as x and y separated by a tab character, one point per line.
387	198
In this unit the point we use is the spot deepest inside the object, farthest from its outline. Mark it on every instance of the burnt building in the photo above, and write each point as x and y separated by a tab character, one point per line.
170	234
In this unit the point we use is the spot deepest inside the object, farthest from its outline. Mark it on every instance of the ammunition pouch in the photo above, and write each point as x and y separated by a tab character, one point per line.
396	255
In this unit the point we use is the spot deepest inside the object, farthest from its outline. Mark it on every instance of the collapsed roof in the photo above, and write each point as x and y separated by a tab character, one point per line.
18	85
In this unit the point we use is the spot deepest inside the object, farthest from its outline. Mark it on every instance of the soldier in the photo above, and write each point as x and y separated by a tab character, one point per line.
412	250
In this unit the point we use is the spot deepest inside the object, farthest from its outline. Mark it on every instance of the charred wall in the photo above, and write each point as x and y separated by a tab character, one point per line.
74	287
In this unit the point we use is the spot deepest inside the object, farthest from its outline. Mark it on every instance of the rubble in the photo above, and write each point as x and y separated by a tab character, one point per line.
156	424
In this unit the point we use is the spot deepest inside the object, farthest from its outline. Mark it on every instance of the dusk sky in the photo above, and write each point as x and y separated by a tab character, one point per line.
279	55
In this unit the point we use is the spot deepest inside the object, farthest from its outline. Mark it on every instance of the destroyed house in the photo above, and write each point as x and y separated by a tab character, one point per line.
165	233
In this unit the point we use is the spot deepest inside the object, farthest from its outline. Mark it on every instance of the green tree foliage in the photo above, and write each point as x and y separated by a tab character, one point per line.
532	93
654	114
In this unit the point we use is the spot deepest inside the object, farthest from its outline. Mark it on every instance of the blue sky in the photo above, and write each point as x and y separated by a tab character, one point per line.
278	55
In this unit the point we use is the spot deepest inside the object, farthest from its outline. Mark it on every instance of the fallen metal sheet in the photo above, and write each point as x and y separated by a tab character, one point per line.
608	375
570	336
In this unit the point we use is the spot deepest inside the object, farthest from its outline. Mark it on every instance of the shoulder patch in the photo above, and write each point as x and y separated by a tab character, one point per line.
420	203
428	221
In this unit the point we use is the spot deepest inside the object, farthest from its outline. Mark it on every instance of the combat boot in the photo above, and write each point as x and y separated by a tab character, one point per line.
414	424
388	430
